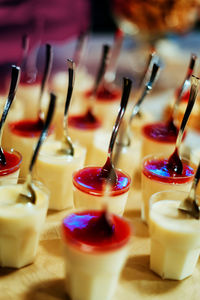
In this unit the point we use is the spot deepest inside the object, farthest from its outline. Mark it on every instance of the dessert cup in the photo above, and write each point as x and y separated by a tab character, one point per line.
90	190
156	177
94	256
157	138
55	171
22	135
11	170
21	224
175	236
83	131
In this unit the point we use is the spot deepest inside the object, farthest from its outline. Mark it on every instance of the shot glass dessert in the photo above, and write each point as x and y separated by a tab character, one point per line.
175	237
95	252
22	136
55	170
11	169
82	129
156	176
157	138
90	191
21	224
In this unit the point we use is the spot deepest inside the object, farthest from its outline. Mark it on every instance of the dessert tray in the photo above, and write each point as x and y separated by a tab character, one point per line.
44	279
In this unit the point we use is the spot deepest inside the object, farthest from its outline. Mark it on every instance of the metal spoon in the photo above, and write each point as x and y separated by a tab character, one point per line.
108	171
190	205
174	161
47	70
79	47
67	145
15	76
110	73
184	86
25	47
28	193
148	87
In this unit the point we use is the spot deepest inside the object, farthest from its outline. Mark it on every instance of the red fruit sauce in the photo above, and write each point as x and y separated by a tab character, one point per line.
104	94
86	121
185	96
27	128
162	132
88	180
158	169
89	231
13	161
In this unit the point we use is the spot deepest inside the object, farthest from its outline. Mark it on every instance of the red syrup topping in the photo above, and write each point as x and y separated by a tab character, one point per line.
13	160
158	169
89	180
86	121
27	128
161	132
104	94
91	231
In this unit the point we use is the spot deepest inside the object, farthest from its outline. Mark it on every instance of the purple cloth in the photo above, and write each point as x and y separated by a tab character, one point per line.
52	21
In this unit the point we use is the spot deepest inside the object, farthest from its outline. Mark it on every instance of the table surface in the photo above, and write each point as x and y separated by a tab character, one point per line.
44	279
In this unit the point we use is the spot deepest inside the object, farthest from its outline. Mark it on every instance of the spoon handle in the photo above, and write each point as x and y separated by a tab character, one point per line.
115	51
151	59
79	47
127	83
147	89
15	76
102	68
47	69
195	83
44	130
71	66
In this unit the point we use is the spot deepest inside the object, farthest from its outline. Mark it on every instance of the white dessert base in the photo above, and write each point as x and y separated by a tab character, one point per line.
55	172
21	225
85	201
91	276
175	241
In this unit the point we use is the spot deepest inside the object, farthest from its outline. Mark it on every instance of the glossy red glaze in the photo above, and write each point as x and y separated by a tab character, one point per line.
185	96
158	169
86	121
160	132
89	232
13	160
104	94
89	180
27	128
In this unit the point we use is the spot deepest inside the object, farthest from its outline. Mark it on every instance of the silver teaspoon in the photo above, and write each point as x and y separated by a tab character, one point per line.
28	193
15	76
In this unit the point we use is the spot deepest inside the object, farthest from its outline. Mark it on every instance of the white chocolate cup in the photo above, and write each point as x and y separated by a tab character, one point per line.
55	172
175	237
21	225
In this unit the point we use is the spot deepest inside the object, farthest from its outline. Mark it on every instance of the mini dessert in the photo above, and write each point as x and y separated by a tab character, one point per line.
175	238
55	170
95	248
90	190
11	169
21	224
106	104
82	129
22	136
158	138
157	176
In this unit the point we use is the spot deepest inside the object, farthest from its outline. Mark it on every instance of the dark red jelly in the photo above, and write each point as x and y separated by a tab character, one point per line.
158	169
86	121
161	132
105	94
89	180
27	128
13	160
88	230
185	96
